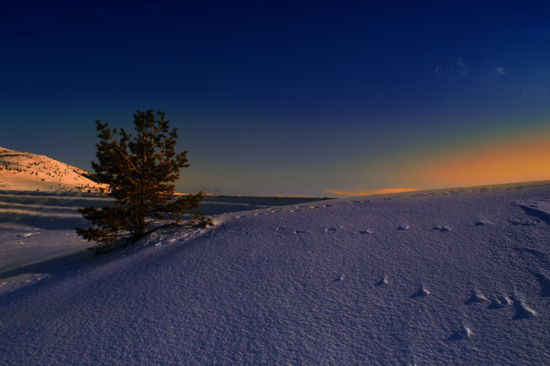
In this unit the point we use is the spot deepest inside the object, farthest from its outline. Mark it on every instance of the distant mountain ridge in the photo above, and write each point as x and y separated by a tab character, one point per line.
23	171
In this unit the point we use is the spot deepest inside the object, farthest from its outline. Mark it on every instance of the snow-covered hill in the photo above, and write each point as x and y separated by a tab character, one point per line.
23	171
455	277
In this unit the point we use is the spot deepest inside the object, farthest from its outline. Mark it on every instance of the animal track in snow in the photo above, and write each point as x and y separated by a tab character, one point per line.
365	232
523	311
404	227
422	291
26	235
442	228
331	229
495	304
340	278
500	302
476	297
481	222
464	333
384	281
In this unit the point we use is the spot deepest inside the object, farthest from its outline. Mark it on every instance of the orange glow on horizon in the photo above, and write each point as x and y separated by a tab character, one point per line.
520	160
379	191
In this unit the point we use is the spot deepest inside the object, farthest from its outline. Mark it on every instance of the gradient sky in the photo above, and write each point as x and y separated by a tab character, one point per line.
290	97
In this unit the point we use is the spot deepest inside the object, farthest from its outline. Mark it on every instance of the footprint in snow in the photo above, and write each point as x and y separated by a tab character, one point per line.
340	278
404	227
462	334
523	311
26	235
500	302
384	281
422	291
442	228
481	222
300	232
330	229
365	232
476	297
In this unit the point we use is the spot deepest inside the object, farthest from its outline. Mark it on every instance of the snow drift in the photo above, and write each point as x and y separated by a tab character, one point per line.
455	277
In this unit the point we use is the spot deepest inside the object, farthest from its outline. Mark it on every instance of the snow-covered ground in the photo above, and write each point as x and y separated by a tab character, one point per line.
452	277
36	226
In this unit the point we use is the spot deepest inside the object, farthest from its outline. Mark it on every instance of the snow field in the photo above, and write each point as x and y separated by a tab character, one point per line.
313	284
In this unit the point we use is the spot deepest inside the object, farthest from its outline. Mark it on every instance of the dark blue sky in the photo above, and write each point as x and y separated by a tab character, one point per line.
275	97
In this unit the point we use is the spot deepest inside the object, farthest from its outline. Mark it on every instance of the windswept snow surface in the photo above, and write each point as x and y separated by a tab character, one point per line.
35	226
456	277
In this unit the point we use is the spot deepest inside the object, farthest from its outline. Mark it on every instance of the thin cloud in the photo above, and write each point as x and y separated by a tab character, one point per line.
457	69
500	72
461	67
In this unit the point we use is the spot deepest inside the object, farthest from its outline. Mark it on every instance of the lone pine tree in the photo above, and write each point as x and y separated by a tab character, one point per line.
141	172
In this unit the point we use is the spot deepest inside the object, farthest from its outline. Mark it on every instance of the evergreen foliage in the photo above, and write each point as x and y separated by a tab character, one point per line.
141	172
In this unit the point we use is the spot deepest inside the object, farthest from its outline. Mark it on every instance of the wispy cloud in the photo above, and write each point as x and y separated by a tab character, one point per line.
457	69
500	72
